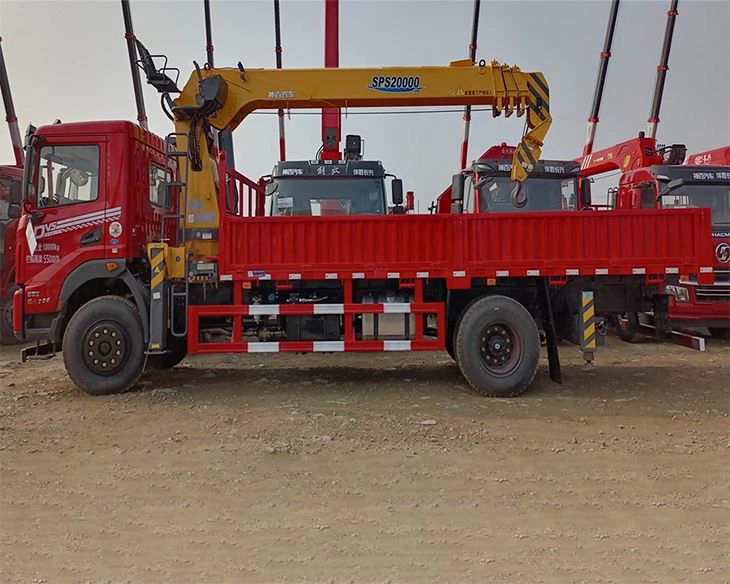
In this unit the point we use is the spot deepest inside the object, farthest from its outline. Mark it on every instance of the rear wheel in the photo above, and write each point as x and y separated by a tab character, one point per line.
497	346
627	327
103	346
7	337
722	333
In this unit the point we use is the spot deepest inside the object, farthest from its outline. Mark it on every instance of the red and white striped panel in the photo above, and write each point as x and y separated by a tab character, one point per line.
314	308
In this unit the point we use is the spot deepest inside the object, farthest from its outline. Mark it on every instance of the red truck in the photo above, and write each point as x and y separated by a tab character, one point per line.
227	279
10	199
654	177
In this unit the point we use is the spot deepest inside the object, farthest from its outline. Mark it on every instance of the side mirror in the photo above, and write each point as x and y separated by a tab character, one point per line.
396	186
672	185
14	211
457	187
519	195
585	192
16	192
457	193
271	187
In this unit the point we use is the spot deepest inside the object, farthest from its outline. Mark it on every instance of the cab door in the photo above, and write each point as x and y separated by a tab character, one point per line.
67	210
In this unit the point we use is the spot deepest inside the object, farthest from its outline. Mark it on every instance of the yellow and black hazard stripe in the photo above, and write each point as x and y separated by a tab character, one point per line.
157	262
588	322
540	97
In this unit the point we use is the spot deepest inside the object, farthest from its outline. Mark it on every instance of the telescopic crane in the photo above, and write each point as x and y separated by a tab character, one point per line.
222	98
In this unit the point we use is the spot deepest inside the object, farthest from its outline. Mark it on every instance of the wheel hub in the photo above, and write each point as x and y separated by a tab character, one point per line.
497	345
105	348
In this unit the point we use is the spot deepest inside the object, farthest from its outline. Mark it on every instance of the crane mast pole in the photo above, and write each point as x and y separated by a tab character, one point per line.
132	52
278	49
10	116
661	75
467	109
331	116
601	79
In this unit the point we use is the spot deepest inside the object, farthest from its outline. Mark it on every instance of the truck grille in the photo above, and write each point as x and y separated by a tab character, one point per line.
720	292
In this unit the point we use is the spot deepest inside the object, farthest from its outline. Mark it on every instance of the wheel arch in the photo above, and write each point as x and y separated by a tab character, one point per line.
93	279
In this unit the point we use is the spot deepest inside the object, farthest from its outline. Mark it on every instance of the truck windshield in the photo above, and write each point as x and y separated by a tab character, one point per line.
715	197
543	194
328	196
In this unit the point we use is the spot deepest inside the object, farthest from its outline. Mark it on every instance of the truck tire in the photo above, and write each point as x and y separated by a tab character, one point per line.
7	336
103	346
497	346
178	350
629	332
722	333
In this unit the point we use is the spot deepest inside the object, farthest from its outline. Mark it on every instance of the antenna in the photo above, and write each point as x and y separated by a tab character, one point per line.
601	79
132	51
10	116
472	56
661	75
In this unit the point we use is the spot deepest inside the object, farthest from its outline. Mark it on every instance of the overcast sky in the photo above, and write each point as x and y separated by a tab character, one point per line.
68	60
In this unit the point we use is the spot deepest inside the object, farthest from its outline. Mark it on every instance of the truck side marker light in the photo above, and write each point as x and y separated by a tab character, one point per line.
226	277
637	271
111	266
295	276
358	275
601	271
331	276
572	272
393	275
421	274
502	273
672	270
459	274
246	285
533	272
491	281
705	269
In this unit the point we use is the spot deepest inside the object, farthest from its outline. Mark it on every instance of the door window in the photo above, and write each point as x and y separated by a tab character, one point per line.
68	175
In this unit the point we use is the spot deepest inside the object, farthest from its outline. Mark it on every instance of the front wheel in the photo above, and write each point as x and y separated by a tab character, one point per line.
498	346
103	346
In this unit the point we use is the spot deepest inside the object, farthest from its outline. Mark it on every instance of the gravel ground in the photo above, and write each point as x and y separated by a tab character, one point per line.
369	468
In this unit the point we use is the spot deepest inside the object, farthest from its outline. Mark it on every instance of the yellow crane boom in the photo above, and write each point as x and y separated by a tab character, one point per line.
223	97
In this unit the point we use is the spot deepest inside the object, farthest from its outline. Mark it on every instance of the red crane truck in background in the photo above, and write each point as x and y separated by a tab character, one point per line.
653	177
10	199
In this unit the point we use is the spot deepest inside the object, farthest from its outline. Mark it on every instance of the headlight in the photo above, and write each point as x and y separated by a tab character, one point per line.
680	293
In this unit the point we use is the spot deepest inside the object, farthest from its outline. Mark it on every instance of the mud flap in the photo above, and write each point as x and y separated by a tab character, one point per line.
551	337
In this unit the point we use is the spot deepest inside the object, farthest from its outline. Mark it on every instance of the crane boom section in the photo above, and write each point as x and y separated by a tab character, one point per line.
224	97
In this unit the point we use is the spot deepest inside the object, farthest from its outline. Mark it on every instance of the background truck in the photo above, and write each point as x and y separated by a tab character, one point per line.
10	198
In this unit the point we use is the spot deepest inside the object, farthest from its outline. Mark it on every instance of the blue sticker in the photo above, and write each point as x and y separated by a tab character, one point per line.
396	84
114	241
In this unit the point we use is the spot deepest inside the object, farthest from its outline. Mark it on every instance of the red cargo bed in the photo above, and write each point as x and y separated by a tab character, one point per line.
460	247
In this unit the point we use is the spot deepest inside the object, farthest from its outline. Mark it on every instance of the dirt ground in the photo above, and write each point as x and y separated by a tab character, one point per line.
370	468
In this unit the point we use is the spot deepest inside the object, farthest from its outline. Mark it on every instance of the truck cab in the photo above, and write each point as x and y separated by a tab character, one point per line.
552	186
93	197
331	187
680	187
10	198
